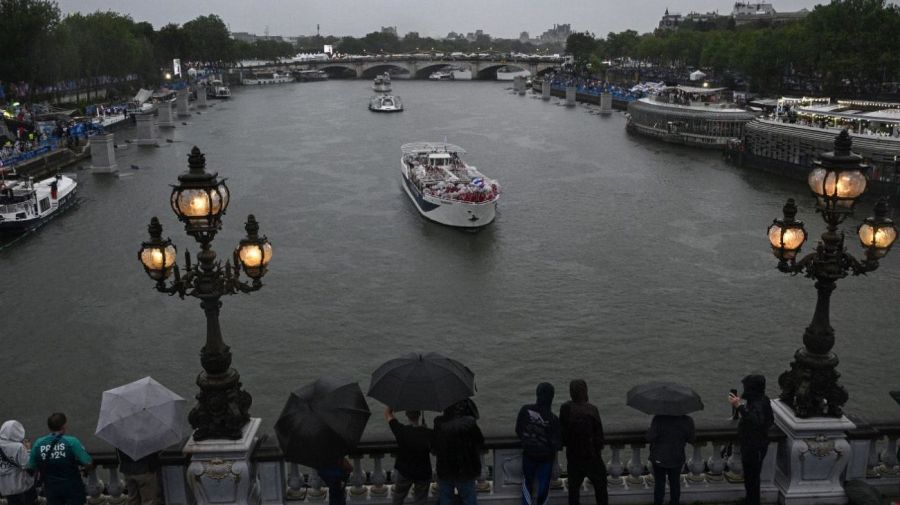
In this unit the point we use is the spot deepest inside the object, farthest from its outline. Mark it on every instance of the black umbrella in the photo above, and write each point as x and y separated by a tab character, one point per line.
896	395
322	422
422	382
664	398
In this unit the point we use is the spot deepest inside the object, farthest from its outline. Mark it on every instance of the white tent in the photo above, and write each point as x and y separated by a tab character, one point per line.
697	75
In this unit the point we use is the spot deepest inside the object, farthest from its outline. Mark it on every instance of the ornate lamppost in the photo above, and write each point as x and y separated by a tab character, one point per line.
200	200
811	386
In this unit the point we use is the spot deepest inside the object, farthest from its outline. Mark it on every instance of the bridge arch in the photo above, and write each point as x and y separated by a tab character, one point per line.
339	71
489	71
370	71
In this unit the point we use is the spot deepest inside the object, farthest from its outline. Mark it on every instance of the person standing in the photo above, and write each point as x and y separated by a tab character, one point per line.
140	478
755	419
58	456
668	436
457	445
412	468
16	481
335	478
539	431
582	434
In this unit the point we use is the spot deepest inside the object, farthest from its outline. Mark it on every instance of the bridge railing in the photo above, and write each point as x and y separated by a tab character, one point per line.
712	474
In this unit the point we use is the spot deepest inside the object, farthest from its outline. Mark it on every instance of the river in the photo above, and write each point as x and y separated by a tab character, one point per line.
613	258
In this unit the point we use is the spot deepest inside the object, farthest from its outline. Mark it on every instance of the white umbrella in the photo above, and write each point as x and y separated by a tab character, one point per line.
142	417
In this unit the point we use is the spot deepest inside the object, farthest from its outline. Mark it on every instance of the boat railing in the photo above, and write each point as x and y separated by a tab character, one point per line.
713	472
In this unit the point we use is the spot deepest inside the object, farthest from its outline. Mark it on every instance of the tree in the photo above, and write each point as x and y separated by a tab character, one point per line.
25	28
208	40
580	46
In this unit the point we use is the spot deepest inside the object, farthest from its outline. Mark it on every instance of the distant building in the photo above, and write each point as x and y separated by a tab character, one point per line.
698	17
454	36
389	29
670	21
523	37
244	37
556	35
412	35
743	13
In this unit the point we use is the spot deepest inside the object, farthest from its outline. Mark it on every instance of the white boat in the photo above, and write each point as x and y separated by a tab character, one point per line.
217	89
382	83
259	79
444	188
385	103
508	74
25	204
441	76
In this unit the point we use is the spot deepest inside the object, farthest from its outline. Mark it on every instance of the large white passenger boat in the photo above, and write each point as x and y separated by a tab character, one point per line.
444	188
25	205
263	78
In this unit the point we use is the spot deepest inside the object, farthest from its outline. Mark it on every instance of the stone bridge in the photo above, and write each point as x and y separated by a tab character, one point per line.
421	68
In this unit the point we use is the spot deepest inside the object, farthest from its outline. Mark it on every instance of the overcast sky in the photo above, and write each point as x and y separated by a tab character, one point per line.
498	18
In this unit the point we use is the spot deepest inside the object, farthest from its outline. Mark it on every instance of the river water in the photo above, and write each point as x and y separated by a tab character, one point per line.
613	258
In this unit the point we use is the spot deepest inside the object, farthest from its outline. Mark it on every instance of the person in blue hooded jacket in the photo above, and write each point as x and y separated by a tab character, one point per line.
539	431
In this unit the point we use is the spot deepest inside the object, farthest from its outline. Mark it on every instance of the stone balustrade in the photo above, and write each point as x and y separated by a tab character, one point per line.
712	472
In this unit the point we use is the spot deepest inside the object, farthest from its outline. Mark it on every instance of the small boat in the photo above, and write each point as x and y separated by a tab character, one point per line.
385	103
25	204
382	83
441	76
444	188
217	89
310	75
263	78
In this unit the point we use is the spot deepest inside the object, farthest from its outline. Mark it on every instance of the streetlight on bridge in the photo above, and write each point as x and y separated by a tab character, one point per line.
811	386
199	201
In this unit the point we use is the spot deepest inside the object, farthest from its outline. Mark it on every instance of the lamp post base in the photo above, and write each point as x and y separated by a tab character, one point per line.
811	458
221	471
811	388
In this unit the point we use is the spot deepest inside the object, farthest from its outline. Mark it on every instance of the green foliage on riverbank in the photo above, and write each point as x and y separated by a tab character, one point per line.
845	46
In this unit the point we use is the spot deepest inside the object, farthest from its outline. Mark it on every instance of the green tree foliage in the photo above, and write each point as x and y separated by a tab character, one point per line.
25	28
208	40
582	47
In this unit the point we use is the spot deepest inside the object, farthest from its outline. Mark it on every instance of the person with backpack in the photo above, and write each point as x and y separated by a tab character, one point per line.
582	435
58	456
457	446
755	419
668	436
16	481
539	431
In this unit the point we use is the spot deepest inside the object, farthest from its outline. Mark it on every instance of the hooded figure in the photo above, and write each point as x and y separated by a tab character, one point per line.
582	434
538	427
457	444
14	478
753	432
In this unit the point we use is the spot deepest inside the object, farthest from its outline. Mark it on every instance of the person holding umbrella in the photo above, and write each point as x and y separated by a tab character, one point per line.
755	419
457	444
140	478
670	430
413	465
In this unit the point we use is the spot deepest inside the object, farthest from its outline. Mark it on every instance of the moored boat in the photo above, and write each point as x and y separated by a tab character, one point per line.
385	103
264	78
310	75
441	76
446	189
25	204
217	89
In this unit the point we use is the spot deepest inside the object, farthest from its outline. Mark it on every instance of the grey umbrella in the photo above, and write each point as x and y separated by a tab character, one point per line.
142	417
422	382
664	398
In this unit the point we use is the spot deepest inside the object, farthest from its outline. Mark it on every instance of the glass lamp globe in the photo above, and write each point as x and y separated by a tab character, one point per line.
157	255
254	252
877	234
787	235
200	198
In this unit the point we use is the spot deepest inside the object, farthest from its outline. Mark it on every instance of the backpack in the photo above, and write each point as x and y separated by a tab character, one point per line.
536	433
580	438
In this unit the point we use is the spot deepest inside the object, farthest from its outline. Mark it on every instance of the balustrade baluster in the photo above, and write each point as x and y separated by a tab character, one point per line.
735	471
95	489
295	490
716	464
697	464
615	468
115	488
379	477
635	466
316	487
872	471
483	486
357	479
889	457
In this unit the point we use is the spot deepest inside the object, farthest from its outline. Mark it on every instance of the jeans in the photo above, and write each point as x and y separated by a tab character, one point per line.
536	473
401	489
143	489
465	488
595	471
27	498
337	492
752	460
660	475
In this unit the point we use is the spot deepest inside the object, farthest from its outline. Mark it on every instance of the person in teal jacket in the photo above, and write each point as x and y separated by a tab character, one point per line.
57	457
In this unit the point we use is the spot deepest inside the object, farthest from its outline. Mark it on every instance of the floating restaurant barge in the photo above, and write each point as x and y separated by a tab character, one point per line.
690	116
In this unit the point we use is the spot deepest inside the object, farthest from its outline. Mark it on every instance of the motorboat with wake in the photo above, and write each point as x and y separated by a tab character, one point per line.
382	83
25	204
385	103
444	188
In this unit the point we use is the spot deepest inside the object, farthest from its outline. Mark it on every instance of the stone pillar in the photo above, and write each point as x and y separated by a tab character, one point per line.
146	130
545	90
201	97
181	103
221	471
164	119
570	96
521	88
103	154
605	103
812	458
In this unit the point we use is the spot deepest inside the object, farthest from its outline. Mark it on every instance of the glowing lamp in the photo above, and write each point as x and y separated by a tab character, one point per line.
787	235
200	198
838	177
253	252
877	234
157	255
